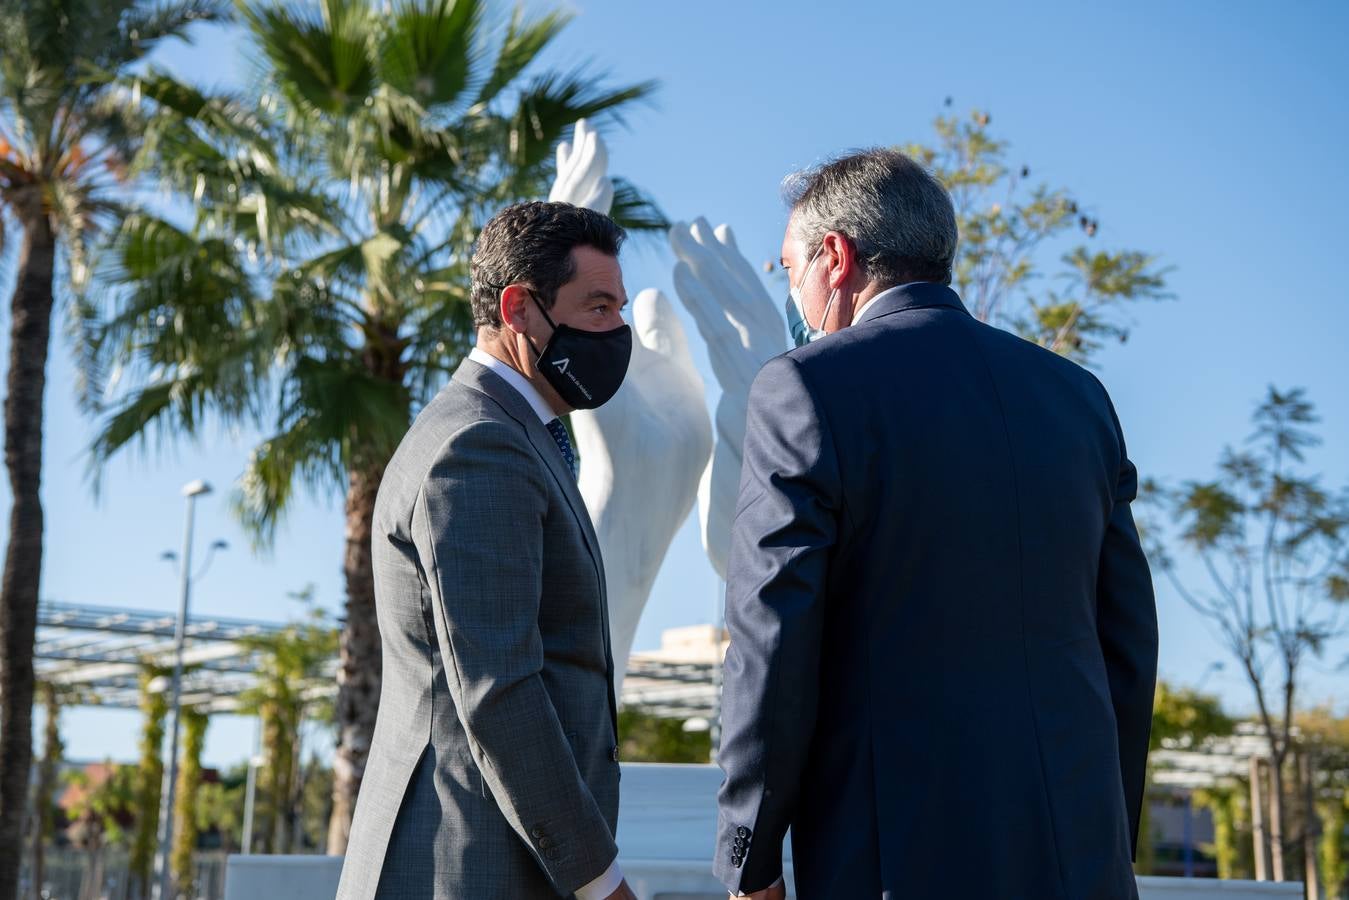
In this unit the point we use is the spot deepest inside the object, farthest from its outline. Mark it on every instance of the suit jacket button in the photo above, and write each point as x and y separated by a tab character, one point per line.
613	754
742	831
538	832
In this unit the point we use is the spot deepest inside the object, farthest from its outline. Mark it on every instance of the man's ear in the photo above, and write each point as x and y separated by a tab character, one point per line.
515	308
839	258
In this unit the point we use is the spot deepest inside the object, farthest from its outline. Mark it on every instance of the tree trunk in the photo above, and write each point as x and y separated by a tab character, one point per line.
358	676
1258	834
29	339
1276	818
149	782
185	799
1311	830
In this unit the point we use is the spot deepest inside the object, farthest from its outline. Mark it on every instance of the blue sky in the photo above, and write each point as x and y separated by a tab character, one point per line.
1212	134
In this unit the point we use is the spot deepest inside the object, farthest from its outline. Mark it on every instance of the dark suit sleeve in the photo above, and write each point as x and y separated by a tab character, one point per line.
1127	629
479	533
785	529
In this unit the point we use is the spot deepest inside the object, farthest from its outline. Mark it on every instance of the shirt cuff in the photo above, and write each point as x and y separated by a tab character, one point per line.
603	886
778	883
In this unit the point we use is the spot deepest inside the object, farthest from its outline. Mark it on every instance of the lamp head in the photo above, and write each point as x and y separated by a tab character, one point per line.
196	488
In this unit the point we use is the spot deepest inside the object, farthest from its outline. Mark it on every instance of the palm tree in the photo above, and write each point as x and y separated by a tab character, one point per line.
319	291
64	138
291	665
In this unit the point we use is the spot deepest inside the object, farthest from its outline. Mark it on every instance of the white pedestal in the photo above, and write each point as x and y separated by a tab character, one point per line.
666	833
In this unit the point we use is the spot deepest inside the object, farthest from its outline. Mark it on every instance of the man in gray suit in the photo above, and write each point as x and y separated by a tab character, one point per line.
943	634
494	767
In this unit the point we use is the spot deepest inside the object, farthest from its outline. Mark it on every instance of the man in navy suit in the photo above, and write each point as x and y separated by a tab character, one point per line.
943	633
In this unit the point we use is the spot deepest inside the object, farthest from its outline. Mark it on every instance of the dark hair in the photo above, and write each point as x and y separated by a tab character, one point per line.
531	243
898	216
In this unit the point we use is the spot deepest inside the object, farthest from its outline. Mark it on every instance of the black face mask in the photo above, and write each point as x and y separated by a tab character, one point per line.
586	368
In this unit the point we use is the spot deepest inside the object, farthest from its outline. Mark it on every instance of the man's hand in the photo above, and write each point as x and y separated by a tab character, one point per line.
623	892
776	892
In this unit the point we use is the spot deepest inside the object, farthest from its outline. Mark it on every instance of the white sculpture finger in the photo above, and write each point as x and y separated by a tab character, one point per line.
582	171
658	328
725	339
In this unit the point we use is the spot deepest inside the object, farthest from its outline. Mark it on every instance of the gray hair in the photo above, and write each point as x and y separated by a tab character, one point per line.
897	215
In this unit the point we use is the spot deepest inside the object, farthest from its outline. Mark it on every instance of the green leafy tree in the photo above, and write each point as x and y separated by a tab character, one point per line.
53	751
102	808
293	668
185	801
647	738
1007	224
220	808
1325	737
320	291
1271	541
1226	803
64	143
1182	719
149	778
316	803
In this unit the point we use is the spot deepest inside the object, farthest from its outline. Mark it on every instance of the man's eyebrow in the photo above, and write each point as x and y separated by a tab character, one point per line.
598	294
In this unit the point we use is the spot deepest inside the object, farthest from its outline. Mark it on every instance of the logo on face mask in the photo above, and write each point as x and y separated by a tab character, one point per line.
593	366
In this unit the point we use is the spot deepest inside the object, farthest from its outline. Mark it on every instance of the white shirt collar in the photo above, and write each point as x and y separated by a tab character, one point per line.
885	293
512	376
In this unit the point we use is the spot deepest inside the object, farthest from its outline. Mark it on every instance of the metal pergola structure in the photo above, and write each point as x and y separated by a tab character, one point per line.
671	690
102	651
1218	760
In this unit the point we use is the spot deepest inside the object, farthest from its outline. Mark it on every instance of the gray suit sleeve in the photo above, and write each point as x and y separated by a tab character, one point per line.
785	529
479	531
1126	616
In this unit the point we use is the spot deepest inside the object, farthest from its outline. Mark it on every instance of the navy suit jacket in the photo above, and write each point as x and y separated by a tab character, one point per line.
943	633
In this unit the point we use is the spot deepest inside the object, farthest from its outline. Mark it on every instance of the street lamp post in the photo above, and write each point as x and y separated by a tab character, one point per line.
163	872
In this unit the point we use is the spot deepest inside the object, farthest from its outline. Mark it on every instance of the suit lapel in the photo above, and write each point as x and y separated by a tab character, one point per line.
482	379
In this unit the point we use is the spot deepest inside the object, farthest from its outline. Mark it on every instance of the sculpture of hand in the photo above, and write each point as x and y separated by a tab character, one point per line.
743	329
581	171
642	455
643	452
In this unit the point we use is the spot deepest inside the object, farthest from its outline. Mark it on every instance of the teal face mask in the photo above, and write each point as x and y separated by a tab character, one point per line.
797	323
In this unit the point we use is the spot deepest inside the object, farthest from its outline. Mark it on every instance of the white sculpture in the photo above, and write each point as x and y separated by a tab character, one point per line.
642	453
743	329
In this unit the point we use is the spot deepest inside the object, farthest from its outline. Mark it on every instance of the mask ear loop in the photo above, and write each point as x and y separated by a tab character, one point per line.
547	318
797	297
827	306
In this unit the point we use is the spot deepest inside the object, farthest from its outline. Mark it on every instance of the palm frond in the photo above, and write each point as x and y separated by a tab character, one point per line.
636	210
322	55
335	415
552	103
427	49
185	316
523	43
146	25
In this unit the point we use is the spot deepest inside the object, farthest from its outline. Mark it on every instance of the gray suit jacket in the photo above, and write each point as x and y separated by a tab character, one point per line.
943	635
494	767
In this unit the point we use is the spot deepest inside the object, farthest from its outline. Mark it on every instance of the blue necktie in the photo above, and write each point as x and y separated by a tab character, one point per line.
559	433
